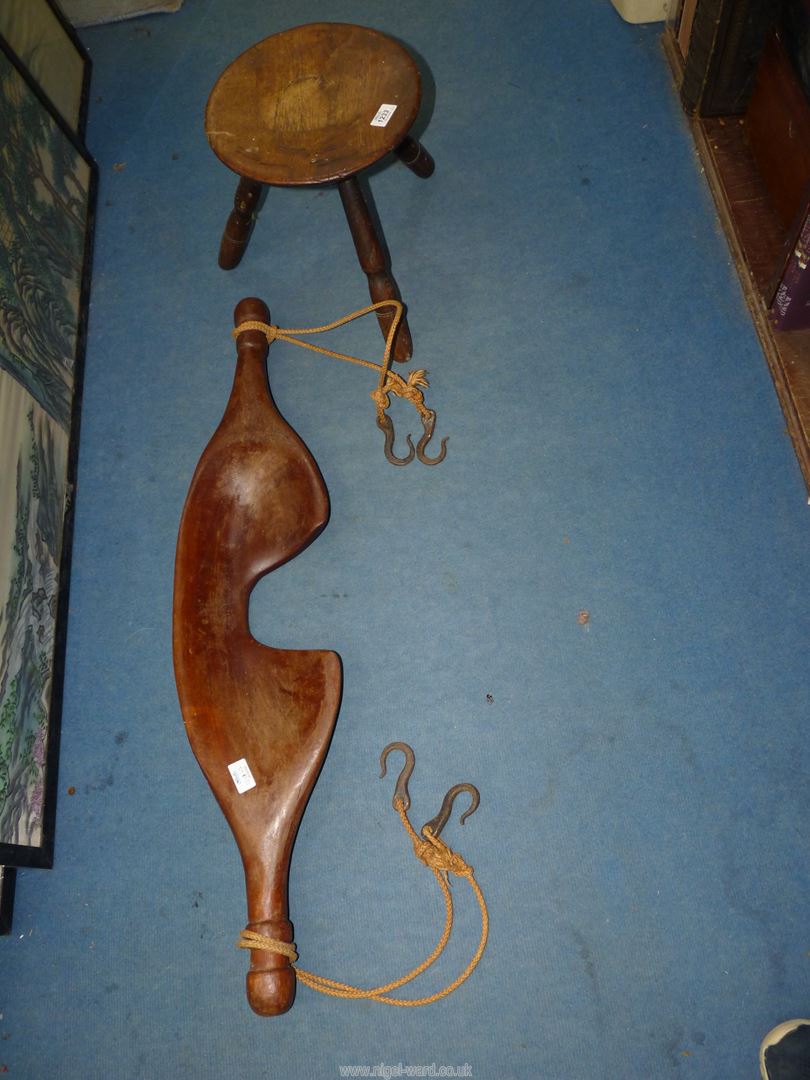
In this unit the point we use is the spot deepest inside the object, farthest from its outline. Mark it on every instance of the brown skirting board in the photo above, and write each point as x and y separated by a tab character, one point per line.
755	237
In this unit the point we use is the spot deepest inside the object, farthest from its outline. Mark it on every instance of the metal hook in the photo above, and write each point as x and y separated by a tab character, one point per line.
385	424
401	790
429	423
437	823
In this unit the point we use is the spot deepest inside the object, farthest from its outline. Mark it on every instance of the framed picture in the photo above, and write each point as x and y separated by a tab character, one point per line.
47	196
47	47
7	882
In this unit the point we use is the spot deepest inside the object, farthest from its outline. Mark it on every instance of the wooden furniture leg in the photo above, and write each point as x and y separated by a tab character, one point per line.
240	223
415	156
370	252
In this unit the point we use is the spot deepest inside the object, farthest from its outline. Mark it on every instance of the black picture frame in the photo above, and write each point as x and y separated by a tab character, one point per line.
66	416
8	881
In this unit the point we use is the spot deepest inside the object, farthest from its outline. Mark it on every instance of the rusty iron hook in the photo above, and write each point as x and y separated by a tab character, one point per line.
401	790
429	423
386	425
437	823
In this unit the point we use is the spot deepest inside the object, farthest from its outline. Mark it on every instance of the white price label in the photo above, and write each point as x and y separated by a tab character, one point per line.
241	776
384	114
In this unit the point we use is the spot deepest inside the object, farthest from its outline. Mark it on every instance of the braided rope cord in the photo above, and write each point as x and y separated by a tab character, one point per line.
389	381
439	858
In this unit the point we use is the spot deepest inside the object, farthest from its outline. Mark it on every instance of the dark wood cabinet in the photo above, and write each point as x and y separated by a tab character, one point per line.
750	118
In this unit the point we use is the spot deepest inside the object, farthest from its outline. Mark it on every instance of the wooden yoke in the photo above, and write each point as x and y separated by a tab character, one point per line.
252	712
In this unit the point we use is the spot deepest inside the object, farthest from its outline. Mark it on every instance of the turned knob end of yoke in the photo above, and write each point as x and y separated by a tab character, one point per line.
251	309
270	982
271	993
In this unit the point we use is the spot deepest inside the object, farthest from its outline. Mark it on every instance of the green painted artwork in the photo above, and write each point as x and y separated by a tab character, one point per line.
44	185
32	501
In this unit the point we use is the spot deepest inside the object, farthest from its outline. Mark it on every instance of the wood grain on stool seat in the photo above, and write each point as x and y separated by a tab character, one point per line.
297	107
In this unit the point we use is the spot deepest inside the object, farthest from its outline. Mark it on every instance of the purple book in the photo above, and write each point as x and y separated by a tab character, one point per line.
790	307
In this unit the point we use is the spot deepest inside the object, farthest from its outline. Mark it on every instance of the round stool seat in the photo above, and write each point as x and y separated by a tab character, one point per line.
313	104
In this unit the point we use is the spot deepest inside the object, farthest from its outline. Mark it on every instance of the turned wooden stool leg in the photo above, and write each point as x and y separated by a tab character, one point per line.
372	258
415	156
240	223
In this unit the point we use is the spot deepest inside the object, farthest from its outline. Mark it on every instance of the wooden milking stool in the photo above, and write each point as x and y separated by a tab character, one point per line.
317	104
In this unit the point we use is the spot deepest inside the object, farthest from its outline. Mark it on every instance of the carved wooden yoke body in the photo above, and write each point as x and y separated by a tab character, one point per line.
256	500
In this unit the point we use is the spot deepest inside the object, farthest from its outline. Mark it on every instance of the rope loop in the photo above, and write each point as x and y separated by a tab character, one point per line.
269	330
249	939
443	861
292	335
389	382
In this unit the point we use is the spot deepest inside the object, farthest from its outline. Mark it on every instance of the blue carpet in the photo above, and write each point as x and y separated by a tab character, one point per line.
616	447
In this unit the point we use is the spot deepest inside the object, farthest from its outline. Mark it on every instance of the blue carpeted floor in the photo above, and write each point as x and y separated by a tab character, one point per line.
616	447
